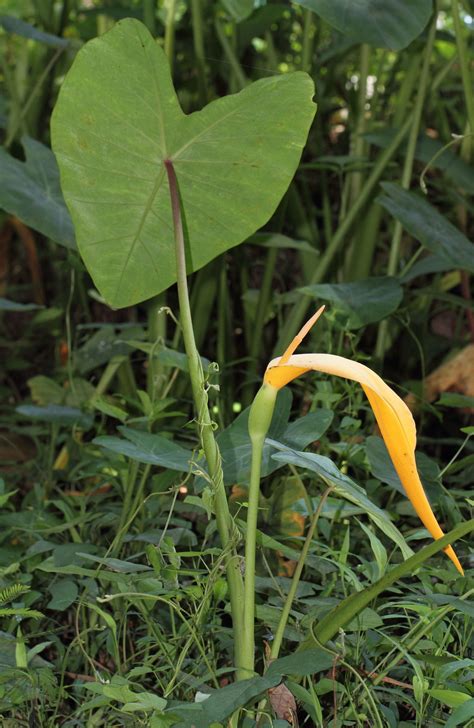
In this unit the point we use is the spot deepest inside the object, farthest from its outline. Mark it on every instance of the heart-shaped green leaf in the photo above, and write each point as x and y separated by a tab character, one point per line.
382	23
118	118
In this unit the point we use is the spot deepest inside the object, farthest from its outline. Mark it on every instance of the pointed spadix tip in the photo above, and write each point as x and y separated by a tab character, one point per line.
301	334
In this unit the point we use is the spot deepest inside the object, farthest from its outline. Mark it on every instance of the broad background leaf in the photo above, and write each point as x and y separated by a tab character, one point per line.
223	702
57	414
361	302
382	468
344	487
118	117
234	443
19	27
30	190
382	23
6	305
148	448
427	225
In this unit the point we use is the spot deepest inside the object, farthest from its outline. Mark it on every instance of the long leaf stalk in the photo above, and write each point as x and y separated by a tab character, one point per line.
225	524
395	247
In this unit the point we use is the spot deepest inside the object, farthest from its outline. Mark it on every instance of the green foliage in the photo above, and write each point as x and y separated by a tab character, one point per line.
428	226
232	165
329	626
114	599
30	190
362	302
387	24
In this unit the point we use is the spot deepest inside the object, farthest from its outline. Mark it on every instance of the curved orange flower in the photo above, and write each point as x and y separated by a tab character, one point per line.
393	417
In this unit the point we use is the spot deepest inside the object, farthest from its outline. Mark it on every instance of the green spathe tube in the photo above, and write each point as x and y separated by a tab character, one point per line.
261	412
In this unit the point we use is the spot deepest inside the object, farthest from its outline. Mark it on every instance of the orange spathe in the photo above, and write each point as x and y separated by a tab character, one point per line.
392	414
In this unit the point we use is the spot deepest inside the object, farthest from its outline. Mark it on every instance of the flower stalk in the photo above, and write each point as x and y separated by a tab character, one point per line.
261	413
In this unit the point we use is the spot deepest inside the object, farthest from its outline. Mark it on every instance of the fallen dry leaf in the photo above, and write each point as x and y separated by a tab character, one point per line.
454	375
284	704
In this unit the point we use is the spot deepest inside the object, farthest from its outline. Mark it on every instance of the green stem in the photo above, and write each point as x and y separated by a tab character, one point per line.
198	41
248	653
358	141
225	523
308	40
395	247
34	91
127	500
260	419
465	68
231	56
156	316
149	17
169	34
280	631
108	374
297	315
261	310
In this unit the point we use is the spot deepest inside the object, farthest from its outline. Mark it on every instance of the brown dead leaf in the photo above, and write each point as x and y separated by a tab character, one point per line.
284	704
454	375
14	449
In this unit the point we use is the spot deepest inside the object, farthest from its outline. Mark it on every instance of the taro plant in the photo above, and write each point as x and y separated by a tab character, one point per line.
154	195
137	173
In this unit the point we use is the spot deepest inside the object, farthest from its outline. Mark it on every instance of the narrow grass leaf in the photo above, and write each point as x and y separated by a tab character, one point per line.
329	626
